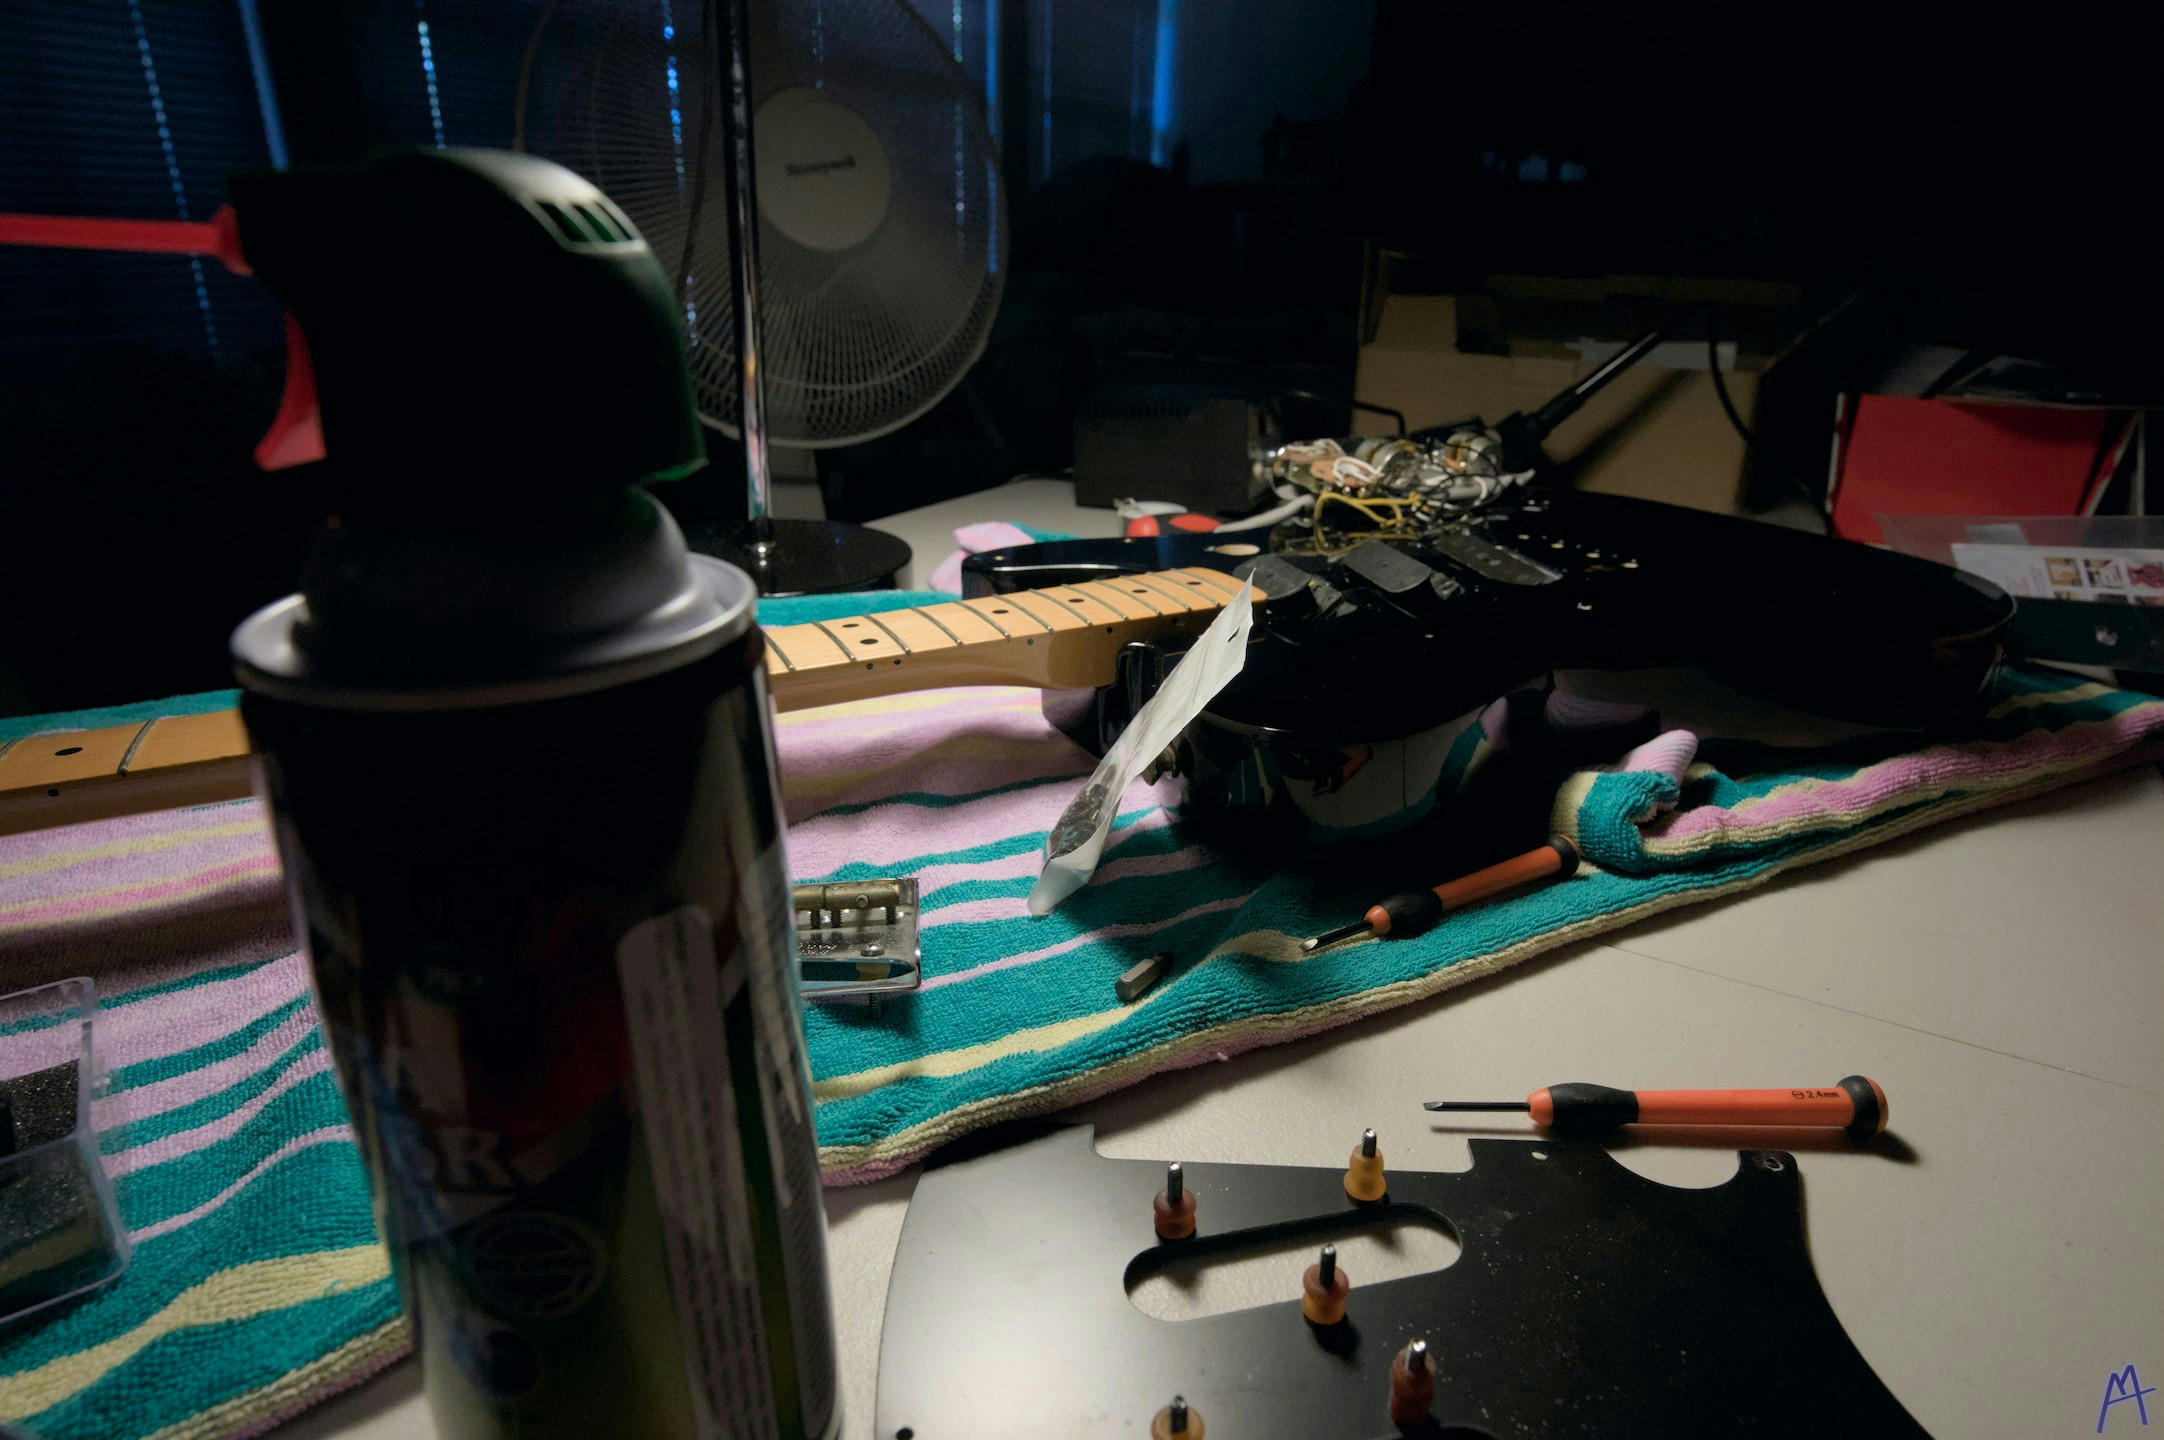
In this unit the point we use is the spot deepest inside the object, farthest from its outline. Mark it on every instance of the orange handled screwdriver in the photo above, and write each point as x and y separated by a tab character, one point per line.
1416	910
1856	1105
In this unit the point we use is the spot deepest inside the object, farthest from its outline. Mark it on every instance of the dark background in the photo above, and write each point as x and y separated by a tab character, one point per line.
1194	188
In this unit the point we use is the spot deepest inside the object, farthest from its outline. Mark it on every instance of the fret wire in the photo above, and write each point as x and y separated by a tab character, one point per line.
971	607
926	612
890	632
1221	595
1151	581
848	655
1012	609
1048	595
133	746
1114	583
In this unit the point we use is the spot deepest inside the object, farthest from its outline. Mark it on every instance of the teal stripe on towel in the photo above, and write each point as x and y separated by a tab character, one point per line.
315	1200
182	1374
199	978
103	717
225	1047
194	1177
274	1071
1041	992
998	849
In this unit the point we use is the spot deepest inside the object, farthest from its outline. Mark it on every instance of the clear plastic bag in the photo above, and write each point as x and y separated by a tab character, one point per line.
1072	849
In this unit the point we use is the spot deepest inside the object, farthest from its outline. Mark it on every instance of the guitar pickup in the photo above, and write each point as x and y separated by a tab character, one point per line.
1293	593
1411	582
857	939
1490	561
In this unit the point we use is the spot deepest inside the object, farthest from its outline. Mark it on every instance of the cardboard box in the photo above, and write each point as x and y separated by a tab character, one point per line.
1655	432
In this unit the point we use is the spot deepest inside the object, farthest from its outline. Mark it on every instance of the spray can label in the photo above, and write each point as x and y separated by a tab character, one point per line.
677	1002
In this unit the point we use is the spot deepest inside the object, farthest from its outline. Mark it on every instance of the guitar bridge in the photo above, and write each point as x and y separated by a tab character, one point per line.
857	940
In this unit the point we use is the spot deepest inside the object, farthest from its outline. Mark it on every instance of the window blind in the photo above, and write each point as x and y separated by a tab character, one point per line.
137	109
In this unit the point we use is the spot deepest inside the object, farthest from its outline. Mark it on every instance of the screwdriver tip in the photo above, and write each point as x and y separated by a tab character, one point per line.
1332	937
1477	1105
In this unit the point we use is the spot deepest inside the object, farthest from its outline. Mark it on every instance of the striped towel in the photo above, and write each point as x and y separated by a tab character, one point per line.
1017	1015
258	1285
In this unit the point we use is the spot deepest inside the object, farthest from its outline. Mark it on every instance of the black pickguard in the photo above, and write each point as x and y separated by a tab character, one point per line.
1588	1301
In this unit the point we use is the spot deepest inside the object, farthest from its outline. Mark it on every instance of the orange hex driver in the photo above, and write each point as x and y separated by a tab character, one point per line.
1856	1105
1417	910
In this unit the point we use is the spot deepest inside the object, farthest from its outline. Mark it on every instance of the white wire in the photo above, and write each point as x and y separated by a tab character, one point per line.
1270	516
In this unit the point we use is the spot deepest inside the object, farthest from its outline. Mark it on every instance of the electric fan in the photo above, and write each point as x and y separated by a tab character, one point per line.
874	273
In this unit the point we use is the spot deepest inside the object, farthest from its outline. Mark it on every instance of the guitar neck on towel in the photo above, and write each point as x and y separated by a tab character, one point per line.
1058	637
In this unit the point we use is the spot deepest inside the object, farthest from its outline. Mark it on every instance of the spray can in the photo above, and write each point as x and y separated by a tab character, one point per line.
516	744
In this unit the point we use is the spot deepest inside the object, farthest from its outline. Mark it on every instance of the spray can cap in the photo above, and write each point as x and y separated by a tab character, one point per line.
499	365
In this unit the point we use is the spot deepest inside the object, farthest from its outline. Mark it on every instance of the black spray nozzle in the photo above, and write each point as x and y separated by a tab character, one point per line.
482	325
498	363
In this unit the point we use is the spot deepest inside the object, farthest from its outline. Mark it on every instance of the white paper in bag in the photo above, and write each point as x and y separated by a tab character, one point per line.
1072	849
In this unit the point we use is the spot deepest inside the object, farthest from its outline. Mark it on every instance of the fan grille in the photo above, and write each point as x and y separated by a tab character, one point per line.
856	341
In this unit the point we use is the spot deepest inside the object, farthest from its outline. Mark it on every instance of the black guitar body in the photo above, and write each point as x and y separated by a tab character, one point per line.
1390	685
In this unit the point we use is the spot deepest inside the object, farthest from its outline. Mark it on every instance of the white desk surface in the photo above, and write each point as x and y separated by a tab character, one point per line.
2001	976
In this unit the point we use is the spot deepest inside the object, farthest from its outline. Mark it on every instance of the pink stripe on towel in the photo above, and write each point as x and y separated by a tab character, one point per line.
1917	777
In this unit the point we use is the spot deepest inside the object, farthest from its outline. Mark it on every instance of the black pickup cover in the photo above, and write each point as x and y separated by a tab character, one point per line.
1490	561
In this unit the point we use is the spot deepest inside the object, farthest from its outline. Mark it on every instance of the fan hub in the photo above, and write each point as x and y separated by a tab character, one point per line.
823	178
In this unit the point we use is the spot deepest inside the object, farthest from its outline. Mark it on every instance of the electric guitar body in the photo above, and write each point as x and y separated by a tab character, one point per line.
1384	685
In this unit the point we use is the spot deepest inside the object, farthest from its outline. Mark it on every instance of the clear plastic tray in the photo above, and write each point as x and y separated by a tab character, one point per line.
2091	587
60	1232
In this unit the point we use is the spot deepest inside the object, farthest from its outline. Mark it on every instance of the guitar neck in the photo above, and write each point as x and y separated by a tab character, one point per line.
1060	638
161	764
1064	637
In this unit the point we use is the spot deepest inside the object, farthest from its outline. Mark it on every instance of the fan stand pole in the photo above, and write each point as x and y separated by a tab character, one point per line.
739	185
783	557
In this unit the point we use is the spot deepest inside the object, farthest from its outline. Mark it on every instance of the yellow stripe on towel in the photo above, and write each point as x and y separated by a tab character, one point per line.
256	1288
350	1363
942	1063
2088	691
140	845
